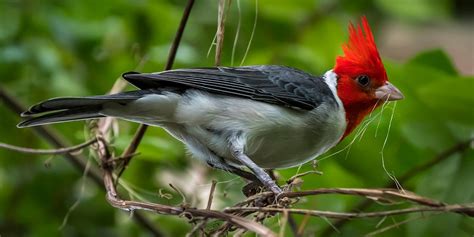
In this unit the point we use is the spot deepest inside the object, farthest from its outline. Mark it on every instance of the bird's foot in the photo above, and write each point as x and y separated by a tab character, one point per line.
272	186
255	187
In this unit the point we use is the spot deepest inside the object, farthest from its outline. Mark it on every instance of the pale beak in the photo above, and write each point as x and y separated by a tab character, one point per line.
388	92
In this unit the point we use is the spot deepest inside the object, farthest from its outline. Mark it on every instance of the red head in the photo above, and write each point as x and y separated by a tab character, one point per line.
362	81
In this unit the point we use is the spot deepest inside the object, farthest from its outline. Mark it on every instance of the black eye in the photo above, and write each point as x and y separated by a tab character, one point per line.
363	80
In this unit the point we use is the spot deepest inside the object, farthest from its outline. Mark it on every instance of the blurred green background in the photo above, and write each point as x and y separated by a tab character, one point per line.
66	47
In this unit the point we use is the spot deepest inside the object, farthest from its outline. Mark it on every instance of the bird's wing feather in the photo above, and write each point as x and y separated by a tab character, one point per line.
271	84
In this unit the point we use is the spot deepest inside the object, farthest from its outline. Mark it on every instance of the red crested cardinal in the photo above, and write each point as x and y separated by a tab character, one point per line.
253	116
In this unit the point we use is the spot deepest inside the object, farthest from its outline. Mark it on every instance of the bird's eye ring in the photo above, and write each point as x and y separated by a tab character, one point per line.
363	80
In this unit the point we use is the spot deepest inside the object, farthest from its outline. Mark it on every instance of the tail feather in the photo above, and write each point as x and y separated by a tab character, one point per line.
63	116
74	102
61	104
74	108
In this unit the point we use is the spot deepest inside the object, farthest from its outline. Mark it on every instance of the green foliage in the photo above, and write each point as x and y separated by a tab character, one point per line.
424	10
65	48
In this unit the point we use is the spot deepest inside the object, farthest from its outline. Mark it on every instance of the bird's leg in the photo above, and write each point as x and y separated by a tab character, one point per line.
237	150
244	174
235	170
253	183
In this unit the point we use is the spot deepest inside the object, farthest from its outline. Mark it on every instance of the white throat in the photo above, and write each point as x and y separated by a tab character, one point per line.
330	77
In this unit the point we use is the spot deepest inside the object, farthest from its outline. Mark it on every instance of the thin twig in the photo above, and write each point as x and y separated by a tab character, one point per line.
138	136
293	225
221	17
211	194
78	200
196	228
290	180
374	194
58	151
251	35
394	225
283	224
183	197
127	205
303	225
457	148
208	207
179	35
237	33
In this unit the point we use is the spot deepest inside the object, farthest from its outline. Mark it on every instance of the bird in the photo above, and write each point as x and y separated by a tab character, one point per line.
250	118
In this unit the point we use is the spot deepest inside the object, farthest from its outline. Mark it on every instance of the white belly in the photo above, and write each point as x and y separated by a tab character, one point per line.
275	137
287	147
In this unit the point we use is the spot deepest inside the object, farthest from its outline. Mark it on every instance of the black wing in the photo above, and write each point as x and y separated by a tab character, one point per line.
271	84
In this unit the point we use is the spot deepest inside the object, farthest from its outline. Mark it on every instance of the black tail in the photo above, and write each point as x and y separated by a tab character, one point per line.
73	108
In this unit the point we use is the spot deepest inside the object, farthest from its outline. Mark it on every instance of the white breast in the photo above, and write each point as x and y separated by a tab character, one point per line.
275	137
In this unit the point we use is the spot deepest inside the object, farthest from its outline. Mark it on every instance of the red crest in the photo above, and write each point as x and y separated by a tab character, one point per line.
360	54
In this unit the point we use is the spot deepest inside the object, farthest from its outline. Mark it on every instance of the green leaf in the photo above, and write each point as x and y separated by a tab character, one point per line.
452	98
449	182
421	124
435	59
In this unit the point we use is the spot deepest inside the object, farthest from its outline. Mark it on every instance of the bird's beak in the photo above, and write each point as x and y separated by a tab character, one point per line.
388	92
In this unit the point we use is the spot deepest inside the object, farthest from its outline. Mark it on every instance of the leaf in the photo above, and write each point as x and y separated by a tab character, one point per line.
436	59
420	124
450	182
452	98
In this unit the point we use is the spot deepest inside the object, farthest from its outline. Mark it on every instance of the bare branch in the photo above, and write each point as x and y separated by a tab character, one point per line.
224	6
386	195
115	201
48	151
297	176
211	194
457	148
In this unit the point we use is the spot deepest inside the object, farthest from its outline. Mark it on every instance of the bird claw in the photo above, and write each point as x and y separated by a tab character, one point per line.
275	189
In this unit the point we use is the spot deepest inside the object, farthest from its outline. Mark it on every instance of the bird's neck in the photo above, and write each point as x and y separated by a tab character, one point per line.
354	109
354	115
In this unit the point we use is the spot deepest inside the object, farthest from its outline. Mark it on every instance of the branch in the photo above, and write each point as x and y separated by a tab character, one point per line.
127	205
48	151
384	195
463	209
374	194
224	6
457	148
256	204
